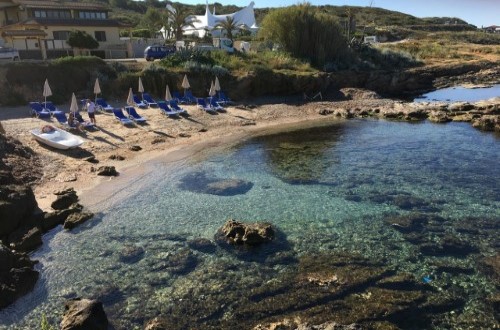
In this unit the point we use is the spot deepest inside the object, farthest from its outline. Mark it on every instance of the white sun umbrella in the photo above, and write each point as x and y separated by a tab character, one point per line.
130	98
140	89
168	96
185	82
217	84
46	90
212	90
74	105
97	88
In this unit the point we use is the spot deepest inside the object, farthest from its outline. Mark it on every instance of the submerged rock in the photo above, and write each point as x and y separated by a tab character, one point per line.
131	254
491	267
82	314
202	245
200	183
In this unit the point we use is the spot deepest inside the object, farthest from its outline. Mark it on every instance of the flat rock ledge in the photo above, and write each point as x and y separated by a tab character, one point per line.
238	233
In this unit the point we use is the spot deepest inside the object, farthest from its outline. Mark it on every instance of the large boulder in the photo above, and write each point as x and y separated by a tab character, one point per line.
17	276
26	239
17	203
84	314
64	199
239	233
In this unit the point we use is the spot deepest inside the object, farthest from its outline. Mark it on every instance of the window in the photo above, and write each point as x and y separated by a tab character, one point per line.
61	35
52	14
92	15
100	35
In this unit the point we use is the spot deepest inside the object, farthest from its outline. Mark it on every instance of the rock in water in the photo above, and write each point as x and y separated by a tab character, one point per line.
84	314
239	233
74	219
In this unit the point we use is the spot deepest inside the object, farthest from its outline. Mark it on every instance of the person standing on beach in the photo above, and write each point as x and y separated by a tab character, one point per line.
91	111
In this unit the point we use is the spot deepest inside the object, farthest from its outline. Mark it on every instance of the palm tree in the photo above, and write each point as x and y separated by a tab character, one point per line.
229	25
179	18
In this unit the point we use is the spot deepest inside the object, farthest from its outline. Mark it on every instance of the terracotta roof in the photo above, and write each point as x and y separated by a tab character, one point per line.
24	33
51	4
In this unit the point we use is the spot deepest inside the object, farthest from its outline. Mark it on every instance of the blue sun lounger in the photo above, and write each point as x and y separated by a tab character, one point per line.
38	111
202	104
100	102
118	113
223	99
50	107
175	106
214	104
166	110
149	100
139	103
188	96
132	114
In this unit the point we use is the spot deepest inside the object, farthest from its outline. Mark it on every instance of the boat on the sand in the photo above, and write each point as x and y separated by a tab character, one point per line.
56	138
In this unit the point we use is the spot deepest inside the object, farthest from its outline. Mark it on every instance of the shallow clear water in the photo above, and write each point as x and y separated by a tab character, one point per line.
326	188
461	94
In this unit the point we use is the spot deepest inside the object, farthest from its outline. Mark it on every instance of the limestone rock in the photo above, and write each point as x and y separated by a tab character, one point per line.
252	234
75	219
107	171
17	276
17	203
82	314
135	148
26	240
64	200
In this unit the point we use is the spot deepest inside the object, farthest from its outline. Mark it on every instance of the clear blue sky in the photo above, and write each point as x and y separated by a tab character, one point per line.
477	12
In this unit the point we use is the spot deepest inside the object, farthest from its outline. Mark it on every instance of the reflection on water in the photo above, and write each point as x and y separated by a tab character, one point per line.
461	94
379	223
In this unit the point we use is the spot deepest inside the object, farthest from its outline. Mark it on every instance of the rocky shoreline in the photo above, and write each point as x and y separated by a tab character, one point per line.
23	222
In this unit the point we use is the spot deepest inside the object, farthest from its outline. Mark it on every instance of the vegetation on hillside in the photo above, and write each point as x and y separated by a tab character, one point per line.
305	33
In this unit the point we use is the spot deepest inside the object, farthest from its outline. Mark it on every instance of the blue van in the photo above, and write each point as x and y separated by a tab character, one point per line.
154	52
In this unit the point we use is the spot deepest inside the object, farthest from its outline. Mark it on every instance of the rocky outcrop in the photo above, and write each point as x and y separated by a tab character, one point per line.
17	276
83	314
64	199
107	171
239	233
17	204
77	218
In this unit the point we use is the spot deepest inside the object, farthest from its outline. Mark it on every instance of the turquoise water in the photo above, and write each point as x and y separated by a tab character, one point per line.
456	94
327	189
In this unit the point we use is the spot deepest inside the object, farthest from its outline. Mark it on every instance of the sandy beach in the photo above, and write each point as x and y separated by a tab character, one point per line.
160	137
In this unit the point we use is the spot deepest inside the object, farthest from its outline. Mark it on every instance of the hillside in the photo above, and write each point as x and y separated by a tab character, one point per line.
132	12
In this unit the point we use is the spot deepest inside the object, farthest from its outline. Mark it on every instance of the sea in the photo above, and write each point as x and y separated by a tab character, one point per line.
419	201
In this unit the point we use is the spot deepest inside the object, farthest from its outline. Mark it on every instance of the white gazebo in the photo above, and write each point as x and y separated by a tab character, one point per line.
203	23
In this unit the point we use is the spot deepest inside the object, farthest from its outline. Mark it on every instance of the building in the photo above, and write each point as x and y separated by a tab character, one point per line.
492	29
244	18
39	29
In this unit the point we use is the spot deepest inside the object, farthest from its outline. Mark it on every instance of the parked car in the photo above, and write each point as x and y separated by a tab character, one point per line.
157	52
7	53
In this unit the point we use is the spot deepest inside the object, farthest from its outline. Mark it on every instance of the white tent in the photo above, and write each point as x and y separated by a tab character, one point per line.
204	23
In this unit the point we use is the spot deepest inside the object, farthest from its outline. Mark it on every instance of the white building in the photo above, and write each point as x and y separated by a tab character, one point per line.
244	18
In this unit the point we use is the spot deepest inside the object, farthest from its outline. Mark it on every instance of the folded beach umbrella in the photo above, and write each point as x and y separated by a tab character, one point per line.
130	98
212	90
185	82
140	89
168	96
217	84
74	105
46	90
97	88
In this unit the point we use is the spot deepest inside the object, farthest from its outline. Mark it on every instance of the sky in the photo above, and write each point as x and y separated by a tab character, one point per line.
476	12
